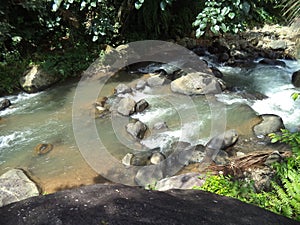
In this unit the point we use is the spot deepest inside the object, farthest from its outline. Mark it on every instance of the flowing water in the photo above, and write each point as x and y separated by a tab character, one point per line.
46	117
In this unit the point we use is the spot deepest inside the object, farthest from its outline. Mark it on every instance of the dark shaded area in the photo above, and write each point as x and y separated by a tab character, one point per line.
118	204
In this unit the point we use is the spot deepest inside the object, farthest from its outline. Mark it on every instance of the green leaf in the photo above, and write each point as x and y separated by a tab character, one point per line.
93	4
225	11
196	23
295	96
231	15
199	33
224	28
245	6
215	29
141	1
202	26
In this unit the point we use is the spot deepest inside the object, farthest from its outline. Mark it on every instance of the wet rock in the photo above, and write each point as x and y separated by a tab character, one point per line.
272	158
120	204
270	123
198	154
262	178
196	83
253	96
122	89
149	175
272	62
35	80
141	84
126	106
5	103
183	181
216	72
296	78
42	149
160	126
141	105
126	161
278	45
156	158
136	129
16	186
156	81
224	140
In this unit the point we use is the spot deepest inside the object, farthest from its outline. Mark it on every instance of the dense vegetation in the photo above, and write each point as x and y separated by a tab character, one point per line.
64	36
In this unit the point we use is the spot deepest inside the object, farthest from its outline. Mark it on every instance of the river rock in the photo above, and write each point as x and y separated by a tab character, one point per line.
126	106
126	161
196	83
278	45
16	186
5	103
35	79
198	154
156	158
136	129
149	175
141	84
42	149
156	81
296	78
261	177
183	181
122	89
223	141
272	62
270	123
141	105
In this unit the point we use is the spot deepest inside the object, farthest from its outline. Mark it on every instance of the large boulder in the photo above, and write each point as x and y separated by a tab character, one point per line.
296	78
119	204
35	79
224	140
16	186
270	123
196	83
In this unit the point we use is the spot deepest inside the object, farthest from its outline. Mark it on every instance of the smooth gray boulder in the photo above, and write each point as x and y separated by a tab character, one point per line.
123	205
35	79
16	186
270	123
224	140
196	84
183	181
126	106
278	45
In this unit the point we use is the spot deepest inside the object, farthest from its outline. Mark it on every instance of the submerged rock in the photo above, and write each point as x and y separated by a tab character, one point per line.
141	84
5	103
272	62
16	186
35	80
160	126
270	123
196	83
42	149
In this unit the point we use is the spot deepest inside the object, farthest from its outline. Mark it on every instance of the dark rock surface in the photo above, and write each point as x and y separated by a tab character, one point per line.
5	103
117	204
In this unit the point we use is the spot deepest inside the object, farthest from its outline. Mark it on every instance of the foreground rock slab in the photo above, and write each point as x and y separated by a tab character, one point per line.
118	204
16	186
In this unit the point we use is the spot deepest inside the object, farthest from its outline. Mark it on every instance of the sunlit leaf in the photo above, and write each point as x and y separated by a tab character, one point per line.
231	15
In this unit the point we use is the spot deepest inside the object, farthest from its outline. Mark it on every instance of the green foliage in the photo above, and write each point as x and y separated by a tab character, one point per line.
286	136
221	17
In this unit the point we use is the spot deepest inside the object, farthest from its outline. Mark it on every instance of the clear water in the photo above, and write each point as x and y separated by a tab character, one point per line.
46	117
